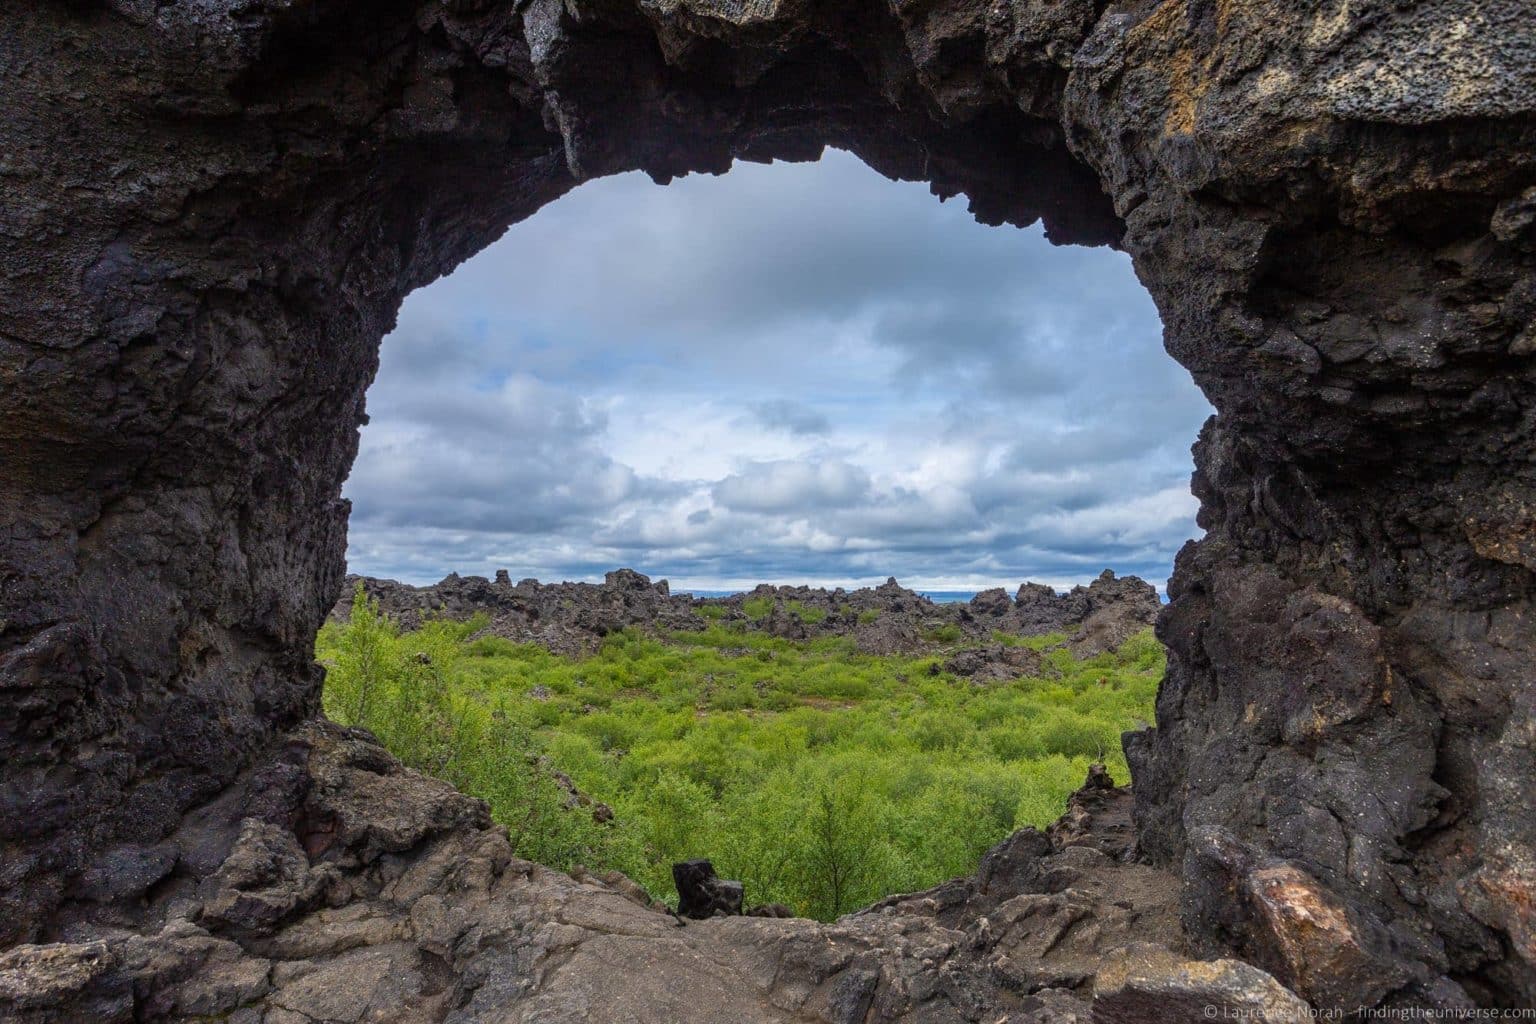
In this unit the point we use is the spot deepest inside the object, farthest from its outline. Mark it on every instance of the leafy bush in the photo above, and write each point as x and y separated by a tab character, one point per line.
756	608
806	614
405	690
1043	640
823	778
949	633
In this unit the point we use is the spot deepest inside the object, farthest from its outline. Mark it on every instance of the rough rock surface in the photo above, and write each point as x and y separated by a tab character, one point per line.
299	897
995	662
1039	609
212	210
1150	985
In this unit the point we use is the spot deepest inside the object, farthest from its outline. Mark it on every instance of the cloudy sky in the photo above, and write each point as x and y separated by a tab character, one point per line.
791	373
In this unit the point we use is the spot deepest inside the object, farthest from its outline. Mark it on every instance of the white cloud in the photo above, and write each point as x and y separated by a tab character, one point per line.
791	487
798	373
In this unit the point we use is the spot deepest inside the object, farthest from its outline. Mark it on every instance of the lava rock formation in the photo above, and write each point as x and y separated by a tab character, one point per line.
571	618
212	210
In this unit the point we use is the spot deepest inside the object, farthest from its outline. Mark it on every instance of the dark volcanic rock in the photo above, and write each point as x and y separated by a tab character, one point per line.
570	618
991	604
555	614
891	635
701	894
890	619
213	210
1039	609
994	662
1106	629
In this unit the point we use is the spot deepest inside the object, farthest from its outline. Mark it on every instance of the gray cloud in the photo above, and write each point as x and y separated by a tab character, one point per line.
793	486
796	372
520	456
795	417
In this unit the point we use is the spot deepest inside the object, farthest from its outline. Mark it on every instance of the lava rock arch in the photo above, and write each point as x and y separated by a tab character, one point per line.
212	210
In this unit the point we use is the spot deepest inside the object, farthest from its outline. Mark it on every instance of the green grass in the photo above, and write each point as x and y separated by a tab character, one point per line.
1034	643
821	777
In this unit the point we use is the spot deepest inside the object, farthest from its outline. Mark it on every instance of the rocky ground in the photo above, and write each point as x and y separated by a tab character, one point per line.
333	885
571	618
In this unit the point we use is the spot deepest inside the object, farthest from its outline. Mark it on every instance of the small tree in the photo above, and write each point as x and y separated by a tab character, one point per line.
840	850
363	663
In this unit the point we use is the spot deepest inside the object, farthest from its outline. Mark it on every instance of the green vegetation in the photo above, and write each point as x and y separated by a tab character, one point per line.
806	614
1034	643
949	633
821	777
756	608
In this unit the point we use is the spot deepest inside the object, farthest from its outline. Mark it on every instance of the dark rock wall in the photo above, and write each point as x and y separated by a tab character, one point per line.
212	210
1323	210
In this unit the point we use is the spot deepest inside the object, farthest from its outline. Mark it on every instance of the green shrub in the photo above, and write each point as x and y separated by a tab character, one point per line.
949	633
806	614
840	837
1070	734
821	777
756	608
938	730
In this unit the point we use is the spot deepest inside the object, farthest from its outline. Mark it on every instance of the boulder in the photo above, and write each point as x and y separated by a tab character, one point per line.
1149	984
701	895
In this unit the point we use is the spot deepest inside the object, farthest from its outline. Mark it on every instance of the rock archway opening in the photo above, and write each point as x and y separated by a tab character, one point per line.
214	211
791	374
797	373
